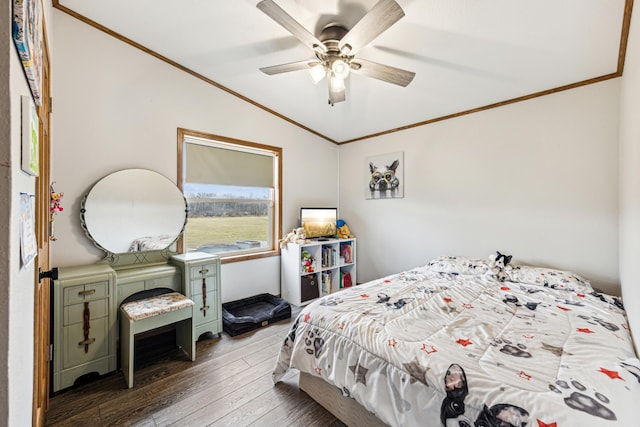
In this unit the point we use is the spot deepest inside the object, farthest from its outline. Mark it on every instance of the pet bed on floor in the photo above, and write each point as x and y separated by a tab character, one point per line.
252	313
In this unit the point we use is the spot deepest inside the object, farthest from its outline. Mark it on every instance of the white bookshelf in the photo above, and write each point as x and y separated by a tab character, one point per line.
316	268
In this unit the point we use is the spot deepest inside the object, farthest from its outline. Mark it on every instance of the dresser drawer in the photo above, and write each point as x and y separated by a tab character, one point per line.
74	353
196	268
171	282
210	283
200	315
205	270
75	313
124	290
87	292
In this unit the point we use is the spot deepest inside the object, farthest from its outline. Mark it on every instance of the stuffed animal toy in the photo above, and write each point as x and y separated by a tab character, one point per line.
307	262
343	230
297	235
500	260
499	263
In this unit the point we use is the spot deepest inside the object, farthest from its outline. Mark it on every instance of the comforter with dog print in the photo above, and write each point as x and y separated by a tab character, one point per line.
462	342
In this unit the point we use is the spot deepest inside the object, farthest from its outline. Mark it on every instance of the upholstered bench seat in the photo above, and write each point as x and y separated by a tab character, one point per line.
154	306
151	313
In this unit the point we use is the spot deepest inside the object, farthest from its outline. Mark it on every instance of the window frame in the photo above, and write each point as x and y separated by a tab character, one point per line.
276	225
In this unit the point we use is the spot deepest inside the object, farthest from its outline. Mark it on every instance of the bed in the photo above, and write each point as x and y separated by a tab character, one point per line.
468	342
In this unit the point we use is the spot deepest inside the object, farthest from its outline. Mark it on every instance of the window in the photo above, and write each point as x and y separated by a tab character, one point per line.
233	193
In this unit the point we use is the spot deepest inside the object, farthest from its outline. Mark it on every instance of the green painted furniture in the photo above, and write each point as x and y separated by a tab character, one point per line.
84	323
103	288
152	313
201	277
143	278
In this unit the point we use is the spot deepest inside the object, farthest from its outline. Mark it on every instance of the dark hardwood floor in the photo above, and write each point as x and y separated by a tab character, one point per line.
229	384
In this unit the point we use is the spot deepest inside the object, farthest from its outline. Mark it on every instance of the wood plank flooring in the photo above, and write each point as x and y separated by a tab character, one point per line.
229	384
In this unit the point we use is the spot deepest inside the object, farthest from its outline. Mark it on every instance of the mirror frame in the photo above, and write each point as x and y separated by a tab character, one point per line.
123	259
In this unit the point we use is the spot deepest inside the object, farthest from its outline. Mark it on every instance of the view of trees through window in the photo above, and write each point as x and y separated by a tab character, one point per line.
224	218
232	189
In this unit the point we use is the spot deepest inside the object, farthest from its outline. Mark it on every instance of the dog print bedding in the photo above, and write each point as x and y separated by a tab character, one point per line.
464	342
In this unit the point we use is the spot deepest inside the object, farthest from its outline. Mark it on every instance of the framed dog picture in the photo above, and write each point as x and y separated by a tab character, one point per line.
384	176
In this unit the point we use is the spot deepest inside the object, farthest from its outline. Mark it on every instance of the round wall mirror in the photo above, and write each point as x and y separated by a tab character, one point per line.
134	210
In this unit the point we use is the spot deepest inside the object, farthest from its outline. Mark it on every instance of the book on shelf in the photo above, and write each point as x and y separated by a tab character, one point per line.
345	279
346	253
329	256
326	283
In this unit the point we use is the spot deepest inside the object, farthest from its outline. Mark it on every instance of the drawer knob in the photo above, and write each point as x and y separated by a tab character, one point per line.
204	271
87	292
87	341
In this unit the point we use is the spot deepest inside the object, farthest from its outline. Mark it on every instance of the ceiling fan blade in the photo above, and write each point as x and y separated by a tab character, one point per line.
292	66
278	14
383	15
386	73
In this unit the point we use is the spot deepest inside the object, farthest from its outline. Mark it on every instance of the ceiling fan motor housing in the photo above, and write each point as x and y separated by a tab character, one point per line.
330	36
332	32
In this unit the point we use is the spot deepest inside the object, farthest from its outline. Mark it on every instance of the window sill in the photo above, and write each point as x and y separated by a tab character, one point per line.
246	257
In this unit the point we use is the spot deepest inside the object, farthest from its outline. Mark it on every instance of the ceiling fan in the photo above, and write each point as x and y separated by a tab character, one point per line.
335	48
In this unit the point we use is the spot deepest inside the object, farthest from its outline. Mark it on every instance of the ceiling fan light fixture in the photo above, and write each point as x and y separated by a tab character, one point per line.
336	84
340	68
317	73
337	89
335	48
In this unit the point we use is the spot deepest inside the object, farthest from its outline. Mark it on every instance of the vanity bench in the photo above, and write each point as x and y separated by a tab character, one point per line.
151	313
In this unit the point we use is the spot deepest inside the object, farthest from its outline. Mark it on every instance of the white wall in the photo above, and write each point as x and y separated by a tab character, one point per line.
630	179
21	289
536	179
5	217
116	107
17	291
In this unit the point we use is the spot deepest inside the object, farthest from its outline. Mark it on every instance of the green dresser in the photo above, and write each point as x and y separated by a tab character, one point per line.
84	321
201	278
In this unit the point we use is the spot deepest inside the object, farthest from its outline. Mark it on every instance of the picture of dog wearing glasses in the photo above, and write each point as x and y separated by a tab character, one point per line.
384	182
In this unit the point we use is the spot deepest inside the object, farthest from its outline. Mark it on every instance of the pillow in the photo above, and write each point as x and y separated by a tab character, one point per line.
548	277
458	265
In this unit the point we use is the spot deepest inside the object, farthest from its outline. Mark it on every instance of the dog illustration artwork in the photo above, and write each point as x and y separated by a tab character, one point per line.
384	183
452	412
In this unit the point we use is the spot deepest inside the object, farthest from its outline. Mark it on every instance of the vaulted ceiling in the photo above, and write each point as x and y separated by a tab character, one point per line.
466	54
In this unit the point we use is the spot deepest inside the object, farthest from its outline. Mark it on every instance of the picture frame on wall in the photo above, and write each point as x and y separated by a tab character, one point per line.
385	176
28	244
30	137
27	32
